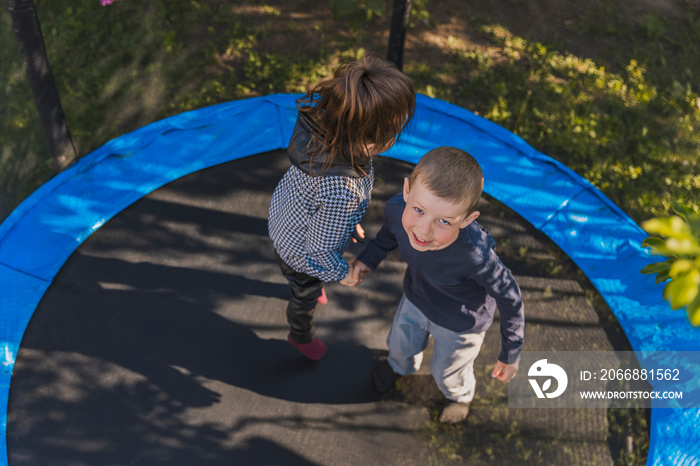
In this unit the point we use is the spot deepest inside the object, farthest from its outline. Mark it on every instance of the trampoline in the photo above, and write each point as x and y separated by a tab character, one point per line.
41	236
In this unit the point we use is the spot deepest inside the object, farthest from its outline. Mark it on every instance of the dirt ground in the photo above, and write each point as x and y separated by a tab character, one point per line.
546	21
582	28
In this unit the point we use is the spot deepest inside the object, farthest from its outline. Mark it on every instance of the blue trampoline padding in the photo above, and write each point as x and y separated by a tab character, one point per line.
40	235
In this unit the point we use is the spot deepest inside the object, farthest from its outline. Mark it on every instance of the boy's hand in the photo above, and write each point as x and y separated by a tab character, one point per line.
505	372
359	271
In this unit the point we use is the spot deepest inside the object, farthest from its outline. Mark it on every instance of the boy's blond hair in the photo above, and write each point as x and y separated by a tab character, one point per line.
451	174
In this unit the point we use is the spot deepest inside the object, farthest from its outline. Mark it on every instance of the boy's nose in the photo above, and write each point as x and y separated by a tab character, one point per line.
424	228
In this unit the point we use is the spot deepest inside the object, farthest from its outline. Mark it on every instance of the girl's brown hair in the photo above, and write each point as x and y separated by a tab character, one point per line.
368	101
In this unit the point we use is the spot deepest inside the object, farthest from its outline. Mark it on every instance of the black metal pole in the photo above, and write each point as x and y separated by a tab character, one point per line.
25	23
397	35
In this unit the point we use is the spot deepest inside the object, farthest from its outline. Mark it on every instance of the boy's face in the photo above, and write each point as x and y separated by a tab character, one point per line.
431	222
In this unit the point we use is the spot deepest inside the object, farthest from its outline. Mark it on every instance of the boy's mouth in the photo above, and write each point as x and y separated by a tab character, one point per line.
419	242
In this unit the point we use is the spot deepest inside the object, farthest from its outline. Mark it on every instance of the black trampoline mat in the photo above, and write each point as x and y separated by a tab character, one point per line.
162	341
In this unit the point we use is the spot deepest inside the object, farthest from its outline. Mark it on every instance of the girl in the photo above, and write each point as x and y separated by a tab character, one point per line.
341	124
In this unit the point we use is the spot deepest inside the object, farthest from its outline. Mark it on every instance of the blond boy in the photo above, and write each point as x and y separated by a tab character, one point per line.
453	283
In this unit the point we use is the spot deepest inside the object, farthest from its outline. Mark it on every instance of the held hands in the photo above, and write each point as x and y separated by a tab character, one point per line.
351	279
505	372
357	273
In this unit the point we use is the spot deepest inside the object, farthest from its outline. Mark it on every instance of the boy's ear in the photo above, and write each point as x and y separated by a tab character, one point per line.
406	189
470	218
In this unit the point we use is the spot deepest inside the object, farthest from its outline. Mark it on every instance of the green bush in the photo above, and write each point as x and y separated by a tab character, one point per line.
679	242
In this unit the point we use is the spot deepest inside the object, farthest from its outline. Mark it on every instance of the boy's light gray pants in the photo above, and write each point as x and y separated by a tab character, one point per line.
452	365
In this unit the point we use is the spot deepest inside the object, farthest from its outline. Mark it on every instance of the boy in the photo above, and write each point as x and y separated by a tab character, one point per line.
453	282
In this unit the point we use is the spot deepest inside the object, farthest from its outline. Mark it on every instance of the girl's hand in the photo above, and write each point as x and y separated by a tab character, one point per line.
358	234
348	280
359	271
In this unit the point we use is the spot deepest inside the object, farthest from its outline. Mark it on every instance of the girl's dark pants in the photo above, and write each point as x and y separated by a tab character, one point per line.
305	291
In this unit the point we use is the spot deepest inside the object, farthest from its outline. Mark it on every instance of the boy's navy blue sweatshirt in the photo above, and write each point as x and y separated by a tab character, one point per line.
458	287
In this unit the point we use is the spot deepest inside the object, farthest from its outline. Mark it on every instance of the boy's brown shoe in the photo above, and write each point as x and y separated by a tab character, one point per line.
383	376
454	413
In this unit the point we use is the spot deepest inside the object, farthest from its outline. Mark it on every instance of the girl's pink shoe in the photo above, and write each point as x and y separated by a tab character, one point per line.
313	350
323	299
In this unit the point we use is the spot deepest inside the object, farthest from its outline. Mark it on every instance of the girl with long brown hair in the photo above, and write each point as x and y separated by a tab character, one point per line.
341	124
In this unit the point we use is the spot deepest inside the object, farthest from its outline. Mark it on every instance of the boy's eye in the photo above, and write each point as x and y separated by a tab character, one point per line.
444	222
418	210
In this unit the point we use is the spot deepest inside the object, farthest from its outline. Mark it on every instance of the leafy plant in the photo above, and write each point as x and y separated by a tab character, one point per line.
357	11
679	241
420	14
624	128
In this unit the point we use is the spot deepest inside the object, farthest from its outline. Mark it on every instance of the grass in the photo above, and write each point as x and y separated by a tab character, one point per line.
631	132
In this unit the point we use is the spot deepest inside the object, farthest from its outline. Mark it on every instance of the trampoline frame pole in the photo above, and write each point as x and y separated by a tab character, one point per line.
397	35
25	23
